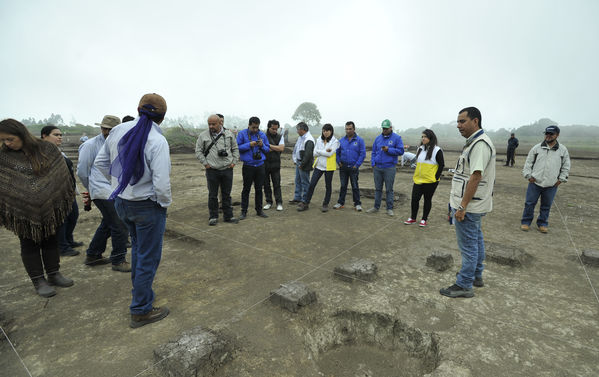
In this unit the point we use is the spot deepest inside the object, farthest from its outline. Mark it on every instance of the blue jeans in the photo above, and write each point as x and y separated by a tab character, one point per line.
65	231
532	196
146	221
346	174
302	183
386	175
472	246
111	226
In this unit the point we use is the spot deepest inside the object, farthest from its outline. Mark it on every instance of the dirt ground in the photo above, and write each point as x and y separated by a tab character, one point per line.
538	320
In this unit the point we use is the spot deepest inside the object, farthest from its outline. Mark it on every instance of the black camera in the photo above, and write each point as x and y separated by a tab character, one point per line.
222	153
257	156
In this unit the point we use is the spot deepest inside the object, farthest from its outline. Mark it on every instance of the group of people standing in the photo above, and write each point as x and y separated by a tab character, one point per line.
126	170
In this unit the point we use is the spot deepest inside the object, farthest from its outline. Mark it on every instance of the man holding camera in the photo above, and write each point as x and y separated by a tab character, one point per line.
217	150
253	147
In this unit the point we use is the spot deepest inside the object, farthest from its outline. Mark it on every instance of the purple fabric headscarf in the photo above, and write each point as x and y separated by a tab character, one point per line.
128	166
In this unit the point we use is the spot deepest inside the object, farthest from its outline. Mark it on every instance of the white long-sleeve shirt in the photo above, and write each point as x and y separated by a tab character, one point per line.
155	183
320	151
91	178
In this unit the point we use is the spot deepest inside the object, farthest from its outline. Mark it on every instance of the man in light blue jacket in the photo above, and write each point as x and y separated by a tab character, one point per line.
385	151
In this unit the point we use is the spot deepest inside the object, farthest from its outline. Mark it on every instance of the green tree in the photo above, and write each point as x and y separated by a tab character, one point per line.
307	112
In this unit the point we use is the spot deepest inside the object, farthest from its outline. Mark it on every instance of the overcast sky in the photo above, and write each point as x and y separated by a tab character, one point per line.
414	62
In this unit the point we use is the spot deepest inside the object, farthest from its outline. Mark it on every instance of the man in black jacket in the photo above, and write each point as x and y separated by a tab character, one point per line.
273	165
512	144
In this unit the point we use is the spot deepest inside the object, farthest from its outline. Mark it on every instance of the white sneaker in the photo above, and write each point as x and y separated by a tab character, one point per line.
359	208
372	210
267	206
279	207
390	212
337	206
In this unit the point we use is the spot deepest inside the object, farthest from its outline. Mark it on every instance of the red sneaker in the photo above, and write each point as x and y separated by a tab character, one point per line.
409	221
422	223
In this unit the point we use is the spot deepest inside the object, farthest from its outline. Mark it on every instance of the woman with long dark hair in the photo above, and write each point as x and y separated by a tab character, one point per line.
36	195
325	162
429	166
66	243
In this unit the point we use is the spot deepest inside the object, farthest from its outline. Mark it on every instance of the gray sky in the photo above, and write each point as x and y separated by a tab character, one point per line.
414	62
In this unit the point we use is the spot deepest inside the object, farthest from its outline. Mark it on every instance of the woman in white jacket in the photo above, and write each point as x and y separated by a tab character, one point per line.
325	162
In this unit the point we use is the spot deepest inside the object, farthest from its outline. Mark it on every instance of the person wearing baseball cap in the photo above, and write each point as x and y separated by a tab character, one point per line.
385	150
137	160
547	166
98	192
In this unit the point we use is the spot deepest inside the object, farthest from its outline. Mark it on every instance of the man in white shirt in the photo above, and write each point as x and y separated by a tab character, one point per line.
142	192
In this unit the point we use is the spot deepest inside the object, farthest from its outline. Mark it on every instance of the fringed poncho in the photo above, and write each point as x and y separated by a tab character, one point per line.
34	206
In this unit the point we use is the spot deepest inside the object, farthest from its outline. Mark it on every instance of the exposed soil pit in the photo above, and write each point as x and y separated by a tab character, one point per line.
371	344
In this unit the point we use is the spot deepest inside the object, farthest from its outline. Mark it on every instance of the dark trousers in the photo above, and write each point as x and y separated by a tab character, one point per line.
146	221
222	179
426	189
274	175
110	227
347	173
509	160
32	259
252	175
328	180
65	231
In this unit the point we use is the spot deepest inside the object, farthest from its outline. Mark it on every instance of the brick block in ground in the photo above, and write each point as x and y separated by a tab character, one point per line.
439	260
198	352
361	269
590	257
292	296
507	255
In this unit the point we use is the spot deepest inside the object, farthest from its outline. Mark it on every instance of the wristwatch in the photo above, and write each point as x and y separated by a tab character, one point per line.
460	208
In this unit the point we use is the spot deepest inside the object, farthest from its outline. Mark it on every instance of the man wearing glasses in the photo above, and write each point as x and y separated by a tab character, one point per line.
547	166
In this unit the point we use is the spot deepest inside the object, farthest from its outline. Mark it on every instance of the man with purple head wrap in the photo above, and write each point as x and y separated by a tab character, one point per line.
136	159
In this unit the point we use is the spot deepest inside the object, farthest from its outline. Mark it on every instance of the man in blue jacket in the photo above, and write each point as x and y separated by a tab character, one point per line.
253	147
385	150
350	156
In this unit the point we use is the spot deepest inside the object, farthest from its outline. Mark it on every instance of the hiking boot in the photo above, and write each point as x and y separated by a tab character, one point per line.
280	207
338	206
456	291
373	210
154	315
325	208
302	207
42	287
76	244
359	208
409	221
262	214
478	282
243	215
422	223
59	280
543	229
69	252
124	266
390	212
524	227
212	221
267	206
232	220
95	260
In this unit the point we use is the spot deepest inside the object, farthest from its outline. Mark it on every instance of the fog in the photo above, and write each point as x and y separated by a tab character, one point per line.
415	63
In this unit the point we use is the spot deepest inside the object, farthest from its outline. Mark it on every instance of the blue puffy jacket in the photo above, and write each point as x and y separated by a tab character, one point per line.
351	152
382	159
246	153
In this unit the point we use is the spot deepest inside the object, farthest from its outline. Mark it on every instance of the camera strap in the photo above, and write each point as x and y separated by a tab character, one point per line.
211	144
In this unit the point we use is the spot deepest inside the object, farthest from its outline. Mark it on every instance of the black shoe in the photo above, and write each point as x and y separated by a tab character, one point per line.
76	244
124	266
95	260
302	207
232	220
325	208
42	287
243	215
456	291
293	201
69	252
262	214
154	315
59	280
478	282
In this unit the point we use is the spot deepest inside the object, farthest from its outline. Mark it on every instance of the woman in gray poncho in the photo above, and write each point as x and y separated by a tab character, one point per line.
36	194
